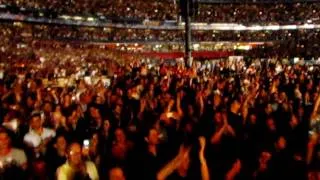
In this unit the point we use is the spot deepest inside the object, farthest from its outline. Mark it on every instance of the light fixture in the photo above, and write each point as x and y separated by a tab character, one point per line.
90	19
77	18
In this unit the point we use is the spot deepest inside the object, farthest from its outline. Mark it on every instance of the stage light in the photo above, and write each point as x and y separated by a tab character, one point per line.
77	18
90	19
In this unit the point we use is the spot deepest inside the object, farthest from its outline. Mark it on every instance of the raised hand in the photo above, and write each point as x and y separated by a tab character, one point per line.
184	151
143	104
202	142
237	166
225	119
204	168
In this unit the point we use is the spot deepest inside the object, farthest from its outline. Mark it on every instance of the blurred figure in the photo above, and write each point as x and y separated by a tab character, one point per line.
38	137
10	155
121	145
116	174
57	155
76	167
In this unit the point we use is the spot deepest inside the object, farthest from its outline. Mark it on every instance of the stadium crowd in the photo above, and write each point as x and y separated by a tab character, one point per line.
76	110
19	39
262	13
141	9
233	120
21	32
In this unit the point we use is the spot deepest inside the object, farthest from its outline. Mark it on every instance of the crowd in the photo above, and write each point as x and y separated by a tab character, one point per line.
232	120
141	9
262	13
18	41
106	34
20	32
74	110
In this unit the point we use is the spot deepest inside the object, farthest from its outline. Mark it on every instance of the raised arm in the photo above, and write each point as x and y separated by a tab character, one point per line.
170	105
316	108
142	108
245	108
216	137
173	164
55	97
203	163
178	105
200	103
234	171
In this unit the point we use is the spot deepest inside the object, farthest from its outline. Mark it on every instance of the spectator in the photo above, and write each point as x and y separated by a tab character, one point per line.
38	137
8	154
116	174
57	156
76	167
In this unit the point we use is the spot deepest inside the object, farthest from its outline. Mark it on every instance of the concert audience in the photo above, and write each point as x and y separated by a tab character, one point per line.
226	122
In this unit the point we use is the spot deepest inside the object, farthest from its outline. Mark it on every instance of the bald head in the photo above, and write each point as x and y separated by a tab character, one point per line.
116	174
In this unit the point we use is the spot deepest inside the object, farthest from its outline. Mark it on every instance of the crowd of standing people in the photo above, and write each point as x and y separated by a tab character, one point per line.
231	121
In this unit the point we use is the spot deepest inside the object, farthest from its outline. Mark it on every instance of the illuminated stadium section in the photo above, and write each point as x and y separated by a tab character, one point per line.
159	89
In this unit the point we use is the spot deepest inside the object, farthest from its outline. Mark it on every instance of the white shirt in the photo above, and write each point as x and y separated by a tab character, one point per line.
16	156
66	172
35	139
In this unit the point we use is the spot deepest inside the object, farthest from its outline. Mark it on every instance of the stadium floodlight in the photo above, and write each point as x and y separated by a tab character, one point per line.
77	18
307	26
222	27
65	17
199	24
272	27
196	46
245	47
239	28
90	19
255	28
289	27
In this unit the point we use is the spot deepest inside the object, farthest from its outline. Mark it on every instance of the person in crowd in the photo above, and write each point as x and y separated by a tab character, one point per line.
93	150
116	173
57	155
75	167
77	128
152	158
121	146
38	136
13	161
9	154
